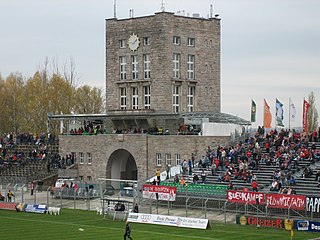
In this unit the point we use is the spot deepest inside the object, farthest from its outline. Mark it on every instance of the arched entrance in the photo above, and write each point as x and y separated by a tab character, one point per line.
121	165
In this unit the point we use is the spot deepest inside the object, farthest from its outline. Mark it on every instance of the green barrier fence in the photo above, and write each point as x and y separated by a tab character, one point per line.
201	189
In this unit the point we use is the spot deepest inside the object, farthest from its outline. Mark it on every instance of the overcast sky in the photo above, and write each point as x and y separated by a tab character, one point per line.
269	48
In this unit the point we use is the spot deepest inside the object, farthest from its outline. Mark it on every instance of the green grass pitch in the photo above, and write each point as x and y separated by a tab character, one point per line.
79	225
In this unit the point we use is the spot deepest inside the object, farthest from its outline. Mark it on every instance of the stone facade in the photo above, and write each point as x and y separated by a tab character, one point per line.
161	28
194	44
143	149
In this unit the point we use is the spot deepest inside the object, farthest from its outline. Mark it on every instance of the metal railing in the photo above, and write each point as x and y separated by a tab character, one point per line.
185	204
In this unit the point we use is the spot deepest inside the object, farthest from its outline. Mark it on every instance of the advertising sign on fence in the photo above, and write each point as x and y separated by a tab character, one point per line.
305	225
165	193
285	201
245	197
35	208
261	221
8	206
174	221
313	204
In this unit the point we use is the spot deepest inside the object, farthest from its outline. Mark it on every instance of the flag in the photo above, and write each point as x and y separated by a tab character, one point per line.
279	113
292	111
267	118
253	111
305	123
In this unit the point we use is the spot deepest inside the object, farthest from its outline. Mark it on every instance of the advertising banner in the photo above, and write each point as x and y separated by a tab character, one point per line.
260	221
313	204
245	197
305	225
164	193
8	206
174	221
35	208
285	201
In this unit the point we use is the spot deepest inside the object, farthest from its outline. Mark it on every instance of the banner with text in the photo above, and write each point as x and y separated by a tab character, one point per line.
164	193
261	221
8	206
245	197
174	221
35	208
285	201
305	225
313	204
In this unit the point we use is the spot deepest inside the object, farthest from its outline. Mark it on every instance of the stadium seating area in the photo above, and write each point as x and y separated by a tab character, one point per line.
23	163
272	166
263	159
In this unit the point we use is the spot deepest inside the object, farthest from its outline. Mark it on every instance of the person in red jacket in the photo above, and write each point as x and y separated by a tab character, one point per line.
254	185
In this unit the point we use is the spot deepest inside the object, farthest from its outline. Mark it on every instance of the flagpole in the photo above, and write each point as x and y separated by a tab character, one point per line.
263	104
303	114
289	112
275	118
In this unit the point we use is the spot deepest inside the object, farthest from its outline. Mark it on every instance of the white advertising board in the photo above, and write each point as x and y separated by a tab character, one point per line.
174	221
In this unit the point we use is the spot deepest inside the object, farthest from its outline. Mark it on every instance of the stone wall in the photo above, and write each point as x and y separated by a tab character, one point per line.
143	148
161	28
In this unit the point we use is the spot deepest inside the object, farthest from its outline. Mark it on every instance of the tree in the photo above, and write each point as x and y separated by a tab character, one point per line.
26	103
88	100
312	113
11	103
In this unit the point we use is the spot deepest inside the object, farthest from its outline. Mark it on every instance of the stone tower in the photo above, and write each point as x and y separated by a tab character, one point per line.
162	64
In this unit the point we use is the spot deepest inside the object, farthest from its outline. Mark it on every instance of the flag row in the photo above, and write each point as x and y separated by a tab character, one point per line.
279	114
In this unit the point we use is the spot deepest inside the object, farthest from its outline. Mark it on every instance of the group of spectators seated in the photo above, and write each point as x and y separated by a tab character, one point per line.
92	128
281	180
11	139
35	151
284	149
88	128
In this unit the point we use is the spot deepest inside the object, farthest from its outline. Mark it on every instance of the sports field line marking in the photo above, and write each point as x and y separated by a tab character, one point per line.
91	226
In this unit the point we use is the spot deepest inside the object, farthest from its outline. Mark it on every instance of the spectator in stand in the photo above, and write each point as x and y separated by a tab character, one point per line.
193	159
195	178
168	171
254	178
203	176
213	168
227	176
275	186
184	165
158	173
176	178
254	186
182	182
190	166
220	177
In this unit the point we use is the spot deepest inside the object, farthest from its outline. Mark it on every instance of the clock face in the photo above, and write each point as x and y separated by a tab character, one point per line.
133	42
